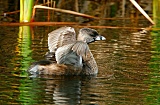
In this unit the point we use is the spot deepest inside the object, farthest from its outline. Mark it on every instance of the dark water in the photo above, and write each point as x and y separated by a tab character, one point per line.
128	70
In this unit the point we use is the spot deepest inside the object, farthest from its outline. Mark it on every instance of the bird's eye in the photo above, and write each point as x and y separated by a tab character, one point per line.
94	34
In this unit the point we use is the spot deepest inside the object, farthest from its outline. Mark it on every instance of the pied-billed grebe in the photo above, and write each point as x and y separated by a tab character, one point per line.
72	57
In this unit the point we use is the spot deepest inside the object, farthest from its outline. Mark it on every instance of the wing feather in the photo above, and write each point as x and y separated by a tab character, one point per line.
82	49
73	54
60	37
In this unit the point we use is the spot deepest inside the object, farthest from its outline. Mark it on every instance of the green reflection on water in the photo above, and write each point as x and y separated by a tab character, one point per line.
153	93
30	91
26	95
24	46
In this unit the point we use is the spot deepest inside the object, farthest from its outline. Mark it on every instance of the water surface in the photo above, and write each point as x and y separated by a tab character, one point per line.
128	63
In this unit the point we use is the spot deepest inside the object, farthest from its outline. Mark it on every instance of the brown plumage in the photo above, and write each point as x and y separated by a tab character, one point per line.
72	57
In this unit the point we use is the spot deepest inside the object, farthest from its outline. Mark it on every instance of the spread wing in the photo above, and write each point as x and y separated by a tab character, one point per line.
73	54
61	37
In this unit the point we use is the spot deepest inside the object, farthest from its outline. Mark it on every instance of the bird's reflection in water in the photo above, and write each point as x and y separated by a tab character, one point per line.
65	89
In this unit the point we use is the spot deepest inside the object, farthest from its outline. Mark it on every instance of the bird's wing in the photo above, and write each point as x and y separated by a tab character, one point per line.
60	37
73	54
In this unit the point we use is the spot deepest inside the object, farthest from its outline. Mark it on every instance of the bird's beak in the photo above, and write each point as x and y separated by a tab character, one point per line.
99	37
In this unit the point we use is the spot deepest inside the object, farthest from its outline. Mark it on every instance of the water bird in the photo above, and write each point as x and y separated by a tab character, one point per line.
68	55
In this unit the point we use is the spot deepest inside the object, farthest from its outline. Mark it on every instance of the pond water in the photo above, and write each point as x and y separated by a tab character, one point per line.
128	63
